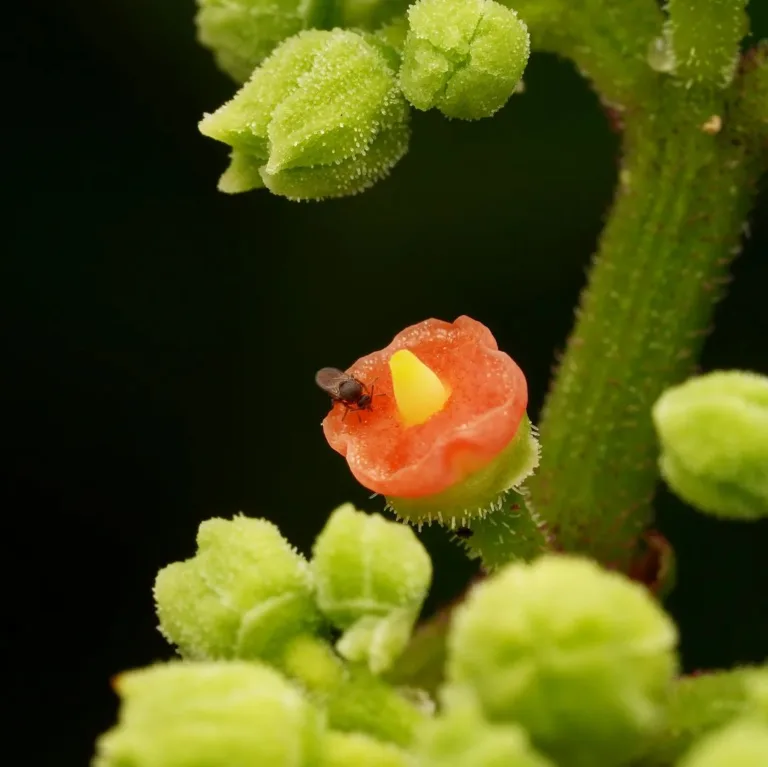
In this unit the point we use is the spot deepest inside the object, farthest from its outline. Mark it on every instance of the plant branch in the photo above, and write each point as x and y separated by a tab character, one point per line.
686	186
607	40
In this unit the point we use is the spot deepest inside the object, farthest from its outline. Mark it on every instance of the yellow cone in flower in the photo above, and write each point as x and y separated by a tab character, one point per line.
419	393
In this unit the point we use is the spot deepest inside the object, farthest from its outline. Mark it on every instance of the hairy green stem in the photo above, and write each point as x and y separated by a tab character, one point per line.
687	181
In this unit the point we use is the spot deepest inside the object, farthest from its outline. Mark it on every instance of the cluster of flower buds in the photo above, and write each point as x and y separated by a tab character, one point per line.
247	594
554	662
325	112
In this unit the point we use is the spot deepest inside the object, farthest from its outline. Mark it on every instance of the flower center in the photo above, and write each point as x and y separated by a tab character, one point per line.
419	393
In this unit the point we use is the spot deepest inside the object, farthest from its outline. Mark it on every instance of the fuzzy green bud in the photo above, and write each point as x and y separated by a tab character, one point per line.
226	714
464	57
322	117
462	737
246	594
743	744
372	576
581	657
714	441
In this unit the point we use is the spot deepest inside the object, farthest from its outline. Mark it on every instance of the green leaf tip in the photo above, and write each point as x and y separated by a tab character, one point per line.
372	577
583	658
245	594
322	117
464	57
221	713
713	431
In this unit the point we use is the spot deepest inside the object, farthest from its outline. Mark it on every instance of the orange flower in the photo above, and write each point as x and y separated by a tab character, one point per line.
444	412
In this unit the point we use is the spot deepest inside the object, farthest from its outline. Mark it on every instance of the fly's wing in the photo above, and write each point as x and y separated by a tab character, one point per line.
329	380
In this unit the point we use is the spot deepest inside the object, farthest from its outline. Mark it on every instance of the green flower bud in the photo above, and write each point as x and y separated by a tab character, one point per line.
241	33
743	744
464	57
353	749
714	440
462	737
372	576
581	657
321	117
228	714
245	594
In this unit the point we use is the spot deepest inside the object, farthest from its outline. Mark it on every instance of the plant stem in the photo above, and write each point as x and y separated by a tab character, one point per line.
684	193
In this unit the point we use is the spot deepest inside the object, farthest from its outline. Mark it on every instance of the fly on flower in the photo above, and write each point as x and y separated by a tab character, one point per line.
344	388
451	437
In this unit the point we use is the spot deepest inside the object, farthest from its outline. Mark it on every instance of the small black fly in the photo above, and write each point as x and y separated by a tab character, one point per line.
344	388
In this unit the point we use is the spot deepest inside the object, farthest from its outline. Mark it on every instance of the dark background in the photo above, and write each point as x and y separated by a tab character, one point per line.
161	338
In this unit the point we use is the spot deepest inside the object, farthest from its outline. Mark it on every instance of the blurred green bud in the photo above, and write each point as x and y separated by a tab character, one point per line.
242	33
322	117
372	576
245	594
714	443
353	749
464	57
743	744
462	737
367	14
757	687
581	657
698	705
366	703
227	714
354	699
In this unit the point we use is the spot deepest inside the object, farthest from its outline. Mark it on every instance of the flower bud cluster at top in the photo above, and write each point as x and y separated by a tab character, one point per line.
324	112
